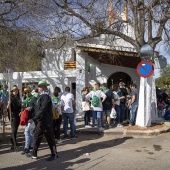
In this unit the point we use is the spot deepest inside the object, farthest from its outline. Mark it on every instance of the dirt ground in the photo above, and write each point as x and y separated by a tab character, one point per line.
152	127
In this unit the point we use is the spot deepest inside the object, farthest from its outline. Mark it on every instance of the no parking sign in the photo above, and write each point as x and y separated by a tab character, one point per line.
145	69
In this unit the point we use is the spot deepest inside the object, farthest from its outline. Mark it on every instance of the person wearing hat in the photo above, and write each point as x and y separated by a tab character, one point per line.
30	106
44	121
15	106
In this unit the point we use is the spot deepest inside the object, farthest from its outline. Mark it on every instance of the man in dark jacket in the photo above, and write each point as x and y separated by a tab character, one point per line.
107	105
44	122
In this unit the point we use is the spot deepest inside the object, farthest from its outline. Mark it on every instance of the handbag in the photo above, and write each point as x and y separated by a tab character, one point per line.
113	113
24	117
85	106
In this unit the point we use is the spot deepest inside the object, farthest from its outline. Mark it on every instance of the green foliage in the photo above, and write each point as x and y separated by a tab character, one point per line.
164	80
18	52
166	70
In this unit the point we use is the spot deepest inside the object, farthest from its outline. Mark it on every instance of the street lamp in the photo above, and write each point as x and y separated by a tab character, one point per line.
145	91
146	52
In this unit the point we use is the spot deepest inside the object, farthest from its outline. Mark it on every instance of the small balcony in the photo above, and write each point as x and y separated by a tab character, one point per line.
71	65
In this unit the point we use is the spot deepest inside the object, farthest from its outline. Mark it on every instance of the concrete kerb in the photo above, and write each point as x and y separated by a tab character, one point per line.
112	131
125	132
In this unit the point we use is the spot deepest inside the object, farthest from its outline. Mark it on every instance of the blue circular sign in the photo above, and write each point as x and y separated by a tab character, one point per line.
145	69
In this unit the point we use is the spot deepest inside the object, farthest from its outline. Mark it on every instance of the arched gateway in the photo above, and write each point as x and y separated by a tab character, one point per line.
119	77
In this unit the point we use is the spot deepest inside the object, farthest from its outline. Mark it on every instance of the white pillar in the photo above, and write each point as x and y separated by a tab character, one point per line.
81	79
147	102
140	117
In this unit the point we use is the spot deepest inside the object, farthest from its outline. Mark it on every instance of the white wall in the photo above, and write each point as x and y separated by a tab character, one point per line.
101	72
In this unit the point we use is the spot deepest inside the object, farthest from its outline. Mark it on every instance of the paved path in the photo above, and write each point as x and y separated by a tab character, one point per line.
106	152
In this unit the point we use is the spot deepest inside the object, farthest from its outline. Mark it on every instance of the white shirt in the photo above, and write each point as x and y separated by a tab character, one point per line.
100	95
66	101
116	96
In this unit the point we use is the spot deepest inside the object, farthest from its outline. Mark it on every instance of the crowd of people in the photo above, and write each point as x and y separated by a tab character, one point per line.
116	97
44	116
47	113
163	103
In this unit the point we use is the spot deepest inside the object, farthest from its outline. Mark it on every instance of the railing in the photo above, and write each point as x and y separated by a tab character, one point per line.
71	65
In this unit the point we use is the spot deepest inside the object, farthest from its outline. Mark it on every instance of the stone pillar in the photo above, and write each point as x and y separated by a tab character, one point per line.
81	79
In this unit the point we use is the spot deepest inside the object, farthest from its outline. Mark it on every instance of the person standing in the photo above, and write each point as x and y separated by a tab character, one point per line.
123	101
57	120
133	104
67	102
15	106
84	92
95	97
4	96
107	104
44	122
30	106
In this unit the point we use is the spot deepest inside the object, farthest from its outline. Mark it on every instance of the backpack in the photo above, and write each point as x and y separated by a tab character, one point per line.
56	114
24	117
95	101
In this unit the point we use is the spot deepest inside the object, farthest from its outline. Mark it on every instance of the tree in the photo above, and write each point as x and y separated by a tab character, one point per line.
148	18
74	20
164	80
18	52
166	70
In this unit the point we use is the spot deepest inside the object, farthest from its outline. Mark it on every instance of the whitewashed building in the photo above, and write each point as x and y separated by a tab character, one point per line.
101	59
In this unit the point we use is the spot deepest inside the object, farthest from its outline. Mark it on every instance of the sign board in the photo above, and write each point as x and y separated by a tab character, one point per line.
145	69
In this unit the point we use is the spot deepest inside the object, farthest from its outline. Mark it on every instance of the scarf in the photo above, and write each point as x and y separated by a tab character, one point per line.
45	92
28	99
105	90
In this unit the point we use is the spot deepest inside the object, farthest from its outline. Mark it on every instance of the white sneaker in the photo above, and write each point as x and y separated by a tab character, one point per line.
101	129
59	141
119	125
34	157
87	126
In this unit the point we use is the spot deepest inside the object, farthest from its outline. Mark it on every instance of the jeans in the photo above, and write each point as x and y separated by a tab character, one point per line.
29	137
122	112
86	117
96	114
134	108
70	117
117	108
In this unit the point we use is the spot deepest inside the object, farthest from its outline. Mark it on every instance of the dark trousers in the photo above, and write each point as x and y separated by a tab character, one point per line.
56	127
47	131
87	117
122	112
15	125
